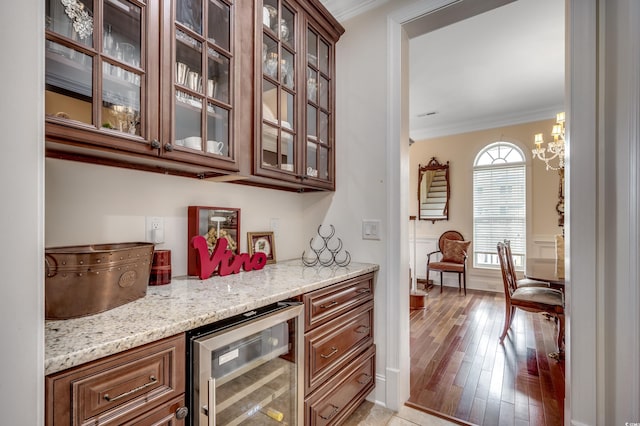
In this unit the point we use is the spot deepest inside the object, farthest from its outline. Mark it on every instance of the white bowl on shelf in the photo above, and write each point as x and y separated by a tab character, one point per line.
193	142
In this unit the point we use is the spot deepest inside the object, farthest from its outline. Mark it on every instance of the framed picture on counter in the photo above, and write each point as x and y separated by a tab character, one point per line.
262	242
212	223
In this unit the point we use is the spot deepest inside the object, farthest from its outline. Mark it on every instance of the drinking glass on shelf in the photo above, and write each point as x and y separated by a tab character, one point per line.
108	41
284	72
182	70
271	65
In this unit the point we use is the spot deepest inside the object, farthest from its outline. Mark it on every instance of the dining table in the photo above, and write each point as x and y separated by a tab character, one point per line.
545	269
551	271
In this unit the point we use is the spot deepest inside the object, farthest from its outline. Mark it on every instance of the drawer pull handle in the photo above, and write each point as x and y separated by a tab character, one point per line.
330	304
363	329
334	350
363	290
332	413
367	379
152	382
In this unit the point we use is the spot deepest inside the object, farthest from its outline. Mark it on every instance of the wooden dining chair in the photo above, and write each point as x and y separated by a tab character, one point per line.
522	282
451	256
532	299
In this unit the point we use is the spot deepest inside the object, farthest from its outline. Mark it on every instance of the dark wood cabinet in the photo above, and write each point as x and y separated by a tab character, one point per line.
220	89
339	350
295	48
144	385
149	87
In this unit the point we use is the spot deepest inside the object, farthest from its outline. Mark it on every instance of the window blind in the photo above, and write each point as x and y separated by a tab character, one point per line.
499	212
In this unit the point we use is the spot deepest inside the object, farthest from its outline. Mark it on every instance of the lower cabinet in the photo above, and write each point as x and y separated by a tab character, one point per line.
144	385
339	350
336	399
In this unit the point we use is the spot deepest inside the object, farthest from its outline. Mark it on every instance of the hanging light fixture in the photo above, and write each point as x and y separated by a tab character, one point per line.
555	149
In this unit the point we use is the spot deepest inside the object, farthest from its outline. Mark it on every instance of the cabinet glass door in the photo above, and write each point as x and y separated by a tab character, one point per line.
94	65
279	127
202	77
319	114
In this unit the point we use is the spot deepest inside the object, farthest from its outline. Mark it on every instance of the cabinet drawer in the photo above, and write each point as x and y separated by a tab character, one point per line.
117	388
165	415
332	345
323	305
341	395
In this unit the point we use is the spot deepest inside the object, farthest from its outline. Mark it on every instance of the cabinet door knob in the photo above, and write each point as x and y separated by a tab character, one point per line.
168	147
181	413
155	144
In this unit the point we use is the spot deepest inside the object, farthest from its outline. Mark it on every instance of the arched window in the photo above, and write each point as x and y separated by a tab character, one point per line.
499	204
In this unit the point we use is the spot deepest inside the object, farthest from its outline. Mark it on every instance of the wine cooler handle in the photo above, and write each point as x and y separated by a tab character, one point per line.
212	403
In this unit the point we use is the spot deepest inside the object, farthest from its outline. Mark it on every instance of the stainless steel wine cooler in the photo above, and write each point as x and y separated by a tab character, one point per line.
248	370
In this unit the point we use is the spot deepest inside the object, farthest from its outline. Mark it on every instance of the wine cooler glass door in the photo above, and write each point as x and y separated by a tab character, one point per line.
251	374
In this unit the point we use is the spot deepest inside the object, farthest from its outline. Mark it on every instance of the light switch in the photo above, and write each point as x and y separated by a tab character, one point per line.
370	229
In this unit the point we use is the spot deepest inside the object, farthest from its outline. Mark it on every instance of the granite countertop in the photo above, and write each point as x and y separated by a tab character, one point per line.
184	304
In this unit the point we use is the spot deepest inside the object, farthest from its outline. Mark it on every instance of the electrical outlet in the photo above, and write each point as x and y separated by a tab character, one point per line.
154	229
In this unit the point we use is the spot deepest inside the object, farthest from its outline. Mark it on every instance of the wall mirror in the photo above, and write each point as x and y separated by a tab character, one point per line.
433	191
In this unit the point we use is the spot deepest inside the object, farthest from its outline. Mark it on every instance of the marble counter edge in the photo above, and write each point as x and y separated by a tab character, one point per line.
80	345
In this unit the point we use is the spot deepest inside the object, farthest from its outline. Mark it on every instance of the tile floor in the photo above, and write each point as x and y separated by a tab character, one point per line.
369	414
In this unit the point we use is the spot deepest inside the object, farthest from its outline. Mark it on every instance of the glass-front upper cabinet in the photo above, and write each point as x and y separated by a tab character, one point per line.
296	97
319	104
96	69
278	150
202	79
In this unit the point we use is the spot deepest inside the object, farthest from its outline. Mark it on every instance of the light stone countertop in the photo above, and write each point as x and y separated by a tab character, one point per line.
182	305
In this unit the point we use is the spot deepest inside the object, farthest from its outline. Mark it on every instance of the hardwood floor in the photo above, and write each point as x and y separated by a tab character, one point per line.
458	367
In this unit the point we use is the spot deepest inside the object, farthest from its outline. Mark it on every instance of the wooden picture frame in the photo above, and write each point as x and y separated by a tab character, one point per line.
208	222
262	242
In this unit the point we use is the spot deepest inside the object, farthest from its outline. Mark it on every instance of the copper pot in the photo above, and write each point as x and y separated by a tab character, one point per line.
85	280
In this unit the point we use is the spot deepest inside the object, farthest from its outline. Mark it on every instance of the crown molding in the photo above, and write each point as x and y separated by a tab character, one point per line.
342	10
431	132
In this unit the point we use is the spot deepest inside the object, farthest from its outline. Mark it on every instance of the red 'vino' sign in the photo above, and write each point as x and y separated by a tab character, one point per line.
223	259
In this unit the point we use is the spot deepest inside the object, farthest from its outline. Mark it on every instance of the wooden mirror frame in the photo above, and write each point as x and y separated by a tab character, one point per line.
423	173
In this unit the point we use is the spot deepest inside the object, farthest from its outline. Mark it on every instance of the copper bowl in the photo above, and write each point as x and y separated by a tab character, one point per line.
86	280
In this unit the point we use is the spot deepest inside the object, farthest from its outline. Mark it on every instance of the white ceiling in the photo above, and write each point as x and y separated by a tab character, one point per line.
501	67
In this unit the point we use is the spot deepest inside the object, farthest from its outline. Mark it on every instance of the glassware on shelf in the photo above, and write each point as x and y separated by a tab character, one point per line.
126	52
194	82
284	72
312	87
269	15
271	65
212	88
108	41
284	30
182	70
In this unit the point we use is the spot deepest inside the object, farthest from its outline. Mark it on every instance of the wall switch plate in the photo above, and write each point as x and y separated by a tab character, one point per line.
370	229
154	227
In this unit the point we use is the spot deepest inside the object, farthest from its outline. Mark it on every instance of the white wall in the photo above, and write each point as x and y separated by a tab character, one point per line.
21	227
87	203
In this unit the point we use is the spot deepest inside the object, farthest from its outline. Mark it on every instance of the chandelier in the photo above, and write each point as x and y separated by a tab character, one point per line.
555	149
